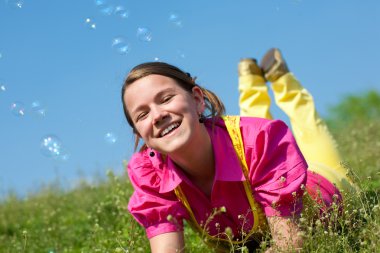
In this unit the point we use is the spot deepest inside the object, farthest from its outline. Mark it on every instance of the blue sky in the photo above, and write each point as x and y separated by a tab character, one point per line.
62	70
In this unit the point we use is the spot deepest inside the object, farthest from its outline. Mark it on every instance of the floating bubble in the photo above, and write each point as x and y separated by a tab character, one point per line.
16	4
121	46
2	88
51	147
90	24
64	156
175	19
110	138
38	109
18	109
1	55
100	2
104	8
156	59
121	12
107	10
144	34
181	54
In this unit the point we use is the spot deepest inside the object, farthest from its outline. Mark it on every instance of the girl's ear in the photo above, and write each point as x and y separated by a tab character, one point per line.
199	99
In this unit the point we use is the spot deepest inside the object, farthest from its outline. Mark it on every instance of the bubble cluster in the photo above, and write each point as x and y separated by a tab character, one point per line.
90	24
110	138
175	19
38	109
18	109
144	34
51	147
121	46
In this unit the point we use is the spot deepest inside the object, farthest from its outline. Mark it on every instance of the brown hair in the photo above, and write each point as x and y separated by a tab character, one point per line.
214	105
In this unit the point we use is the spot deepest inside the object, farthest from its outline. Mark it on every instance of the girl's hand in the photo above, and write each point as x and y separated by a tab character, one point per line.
172	242
285	233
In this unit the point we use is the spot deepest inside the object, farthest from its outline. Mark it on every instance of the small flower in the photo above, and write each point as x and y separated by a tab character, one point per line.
282	179
301	234
228	231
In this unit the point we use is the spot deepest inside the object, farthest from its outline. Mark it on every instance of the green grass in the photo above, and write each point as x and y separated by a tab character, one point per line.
94	218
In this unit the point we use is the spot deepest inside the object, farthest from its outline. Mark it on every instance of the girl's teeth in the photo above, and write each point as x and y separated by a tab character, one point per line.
168	129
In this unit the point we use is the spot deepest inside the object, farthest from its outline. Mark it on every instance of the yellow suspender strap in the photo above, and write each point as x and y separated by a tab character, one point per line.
259	222
233	127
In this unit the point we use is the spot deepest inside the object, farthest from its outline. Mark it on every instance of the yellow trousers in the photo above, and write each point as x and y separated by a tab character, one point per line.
313	138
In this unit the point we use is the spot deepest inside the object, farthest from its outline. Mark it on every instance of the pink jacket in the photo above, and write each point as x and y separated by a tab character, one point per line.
277	173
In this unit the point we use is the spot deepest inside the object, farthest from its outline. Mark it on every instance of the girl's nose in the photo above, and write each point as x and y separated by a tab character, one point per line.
158	115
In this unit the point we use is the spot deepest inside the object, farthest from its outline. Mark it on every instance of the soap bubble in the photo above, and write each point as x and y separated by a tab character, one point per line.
110	138
181	54
121	12
100	2
104	7
121	46
90	24
144	34
107	10
64	156
51	147
18	109
1	55
156	59
16	4
175	20
38	109
2	87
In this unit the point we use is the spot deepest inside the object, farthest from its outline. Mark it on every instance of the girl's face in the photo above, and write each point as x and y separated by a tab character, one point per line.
165	116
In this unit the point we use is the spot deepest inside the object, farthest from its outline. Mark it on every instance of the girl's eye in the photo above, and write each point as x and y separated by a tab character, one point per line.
167	98
141	116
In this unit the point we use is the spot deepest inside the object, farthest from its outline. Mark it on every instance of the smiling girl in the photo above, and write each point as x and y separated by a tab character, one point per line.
234	179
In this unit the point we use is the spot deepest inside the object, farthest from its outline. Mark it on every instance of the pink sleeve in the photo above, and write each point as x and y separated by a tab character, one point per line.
148	206
277	168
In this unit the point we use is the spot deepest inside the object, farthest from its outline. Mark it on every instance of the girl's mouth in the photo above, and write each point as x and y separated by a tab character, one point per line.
169	129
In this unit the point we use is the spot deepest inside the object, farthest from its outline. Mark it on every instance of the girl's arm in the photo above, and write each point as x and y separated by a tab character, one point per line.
285	233
167	243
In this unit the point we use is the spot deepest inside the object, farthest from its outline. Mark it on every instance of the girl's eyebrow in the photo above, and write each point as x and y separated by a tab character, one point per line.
156	97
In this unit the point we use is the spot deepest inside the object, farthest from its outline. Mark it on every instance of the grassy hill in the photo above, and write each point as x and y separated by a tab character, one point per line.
93	218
